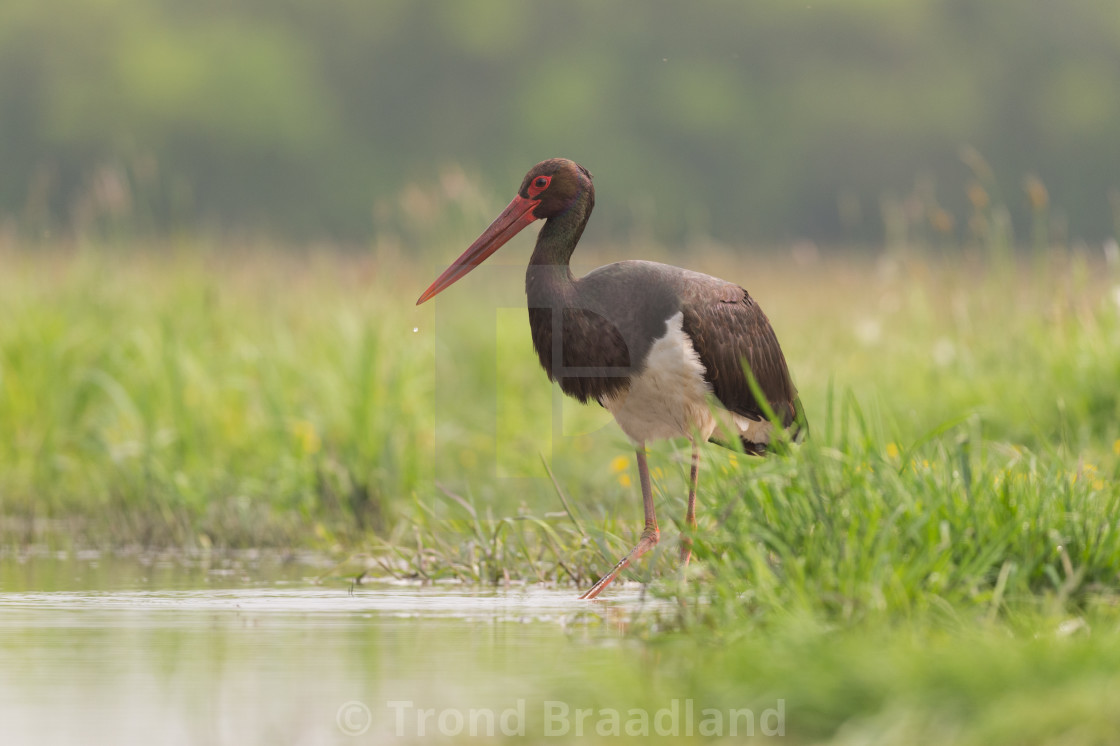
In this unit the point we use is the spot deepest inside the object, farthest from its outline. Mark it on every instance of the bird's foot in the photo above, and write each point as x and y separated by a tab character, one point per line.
648	541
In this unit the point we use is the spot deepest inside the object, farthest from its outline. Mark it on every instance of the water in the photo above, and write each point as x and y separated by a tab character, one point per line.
252	650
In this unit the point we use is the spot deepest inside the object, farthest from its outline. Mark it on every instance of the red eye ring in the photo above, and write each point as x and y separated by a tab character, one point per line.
538	185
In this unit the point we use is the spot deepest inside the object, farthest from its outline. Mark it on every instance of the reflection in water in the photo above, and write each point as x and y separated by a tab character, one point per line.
263	656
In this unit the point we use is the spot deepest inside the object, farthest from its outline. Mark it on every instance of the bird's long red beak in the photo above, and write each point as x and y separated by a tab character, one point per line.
517	215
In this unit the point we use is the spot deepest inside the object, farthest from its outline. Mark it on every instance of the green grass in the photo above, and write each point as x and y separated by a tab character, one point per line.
938	563
1051	682
203	400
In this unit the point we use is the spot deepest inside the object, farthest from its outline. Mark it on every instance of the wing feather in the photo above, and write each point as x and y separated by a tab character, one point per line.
729	331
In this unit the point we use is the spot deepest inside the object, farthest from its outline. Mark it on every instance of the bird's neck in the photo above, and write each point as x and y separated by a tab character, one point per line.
549	274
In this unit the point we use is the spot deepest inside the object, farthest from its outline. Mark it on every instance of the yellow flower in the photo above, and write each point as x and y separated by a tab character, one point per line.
892	450
307	436
1116	447
1087	470
620	463
624	480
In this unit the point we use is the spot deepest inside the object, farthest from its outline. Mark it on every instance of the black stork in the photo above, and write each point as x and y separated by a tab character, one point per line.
662	348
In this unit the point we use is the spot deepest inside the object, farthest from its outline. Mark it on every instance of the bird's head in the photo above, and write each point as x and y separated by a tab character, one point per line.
550	189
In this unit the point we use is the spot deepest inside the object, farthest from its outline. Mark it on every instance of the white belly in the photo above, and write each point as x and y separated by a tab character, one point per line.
671	399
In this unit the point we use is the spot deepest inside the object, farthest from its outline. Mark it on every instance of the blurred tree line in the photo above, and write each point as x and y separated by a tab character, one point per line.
745	121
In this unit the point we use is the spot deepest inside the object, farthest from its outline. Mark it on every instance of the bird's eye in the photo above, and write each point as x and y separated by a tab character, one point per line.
539	185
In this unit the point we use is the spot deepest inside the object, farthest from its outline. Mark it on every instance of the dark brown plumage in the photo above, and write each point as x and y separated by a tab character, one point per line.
655	344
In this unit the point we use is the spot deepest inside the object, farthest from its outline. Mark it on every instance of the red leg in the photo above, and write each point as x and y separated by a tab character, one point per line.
649	536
